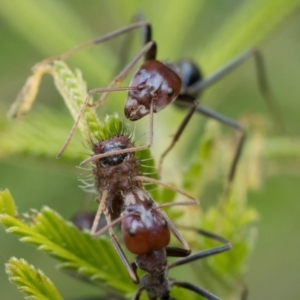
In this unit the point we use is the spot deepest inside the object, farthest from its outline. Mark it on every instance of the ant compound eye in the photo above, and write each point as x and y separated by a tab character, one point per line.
170	92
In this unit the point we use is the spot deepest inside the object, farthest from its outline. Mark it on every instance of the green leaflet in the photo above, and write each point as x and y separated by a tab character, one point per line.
31	281
7	205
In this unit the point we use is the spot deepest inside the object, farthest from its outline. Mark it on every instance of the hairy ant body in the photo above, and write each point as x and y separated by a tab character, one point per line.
120	184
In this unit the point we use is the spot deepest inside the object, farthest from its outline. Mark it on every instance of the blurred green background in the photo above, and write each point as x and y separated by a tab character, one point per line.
31	31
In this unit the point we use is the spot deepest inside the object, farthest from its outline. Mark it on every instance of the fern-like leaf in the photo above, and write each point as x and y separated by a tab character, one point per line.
31	281
94	259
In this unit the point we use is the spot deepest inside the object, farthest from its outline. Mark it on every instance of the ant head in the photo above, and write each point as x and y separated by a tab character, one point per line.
112	145
145	230
155	83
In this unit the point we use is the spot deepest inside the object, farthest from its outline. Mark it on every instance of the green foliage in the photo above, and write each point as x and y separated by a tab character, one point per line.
254	20
38	137
94	259
71	87
7	205
201	167
230	217
31	281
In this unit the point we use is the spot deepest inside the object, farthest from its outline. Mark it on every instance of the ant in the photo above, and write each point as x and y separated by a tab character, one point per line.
155	85
146	233
120	184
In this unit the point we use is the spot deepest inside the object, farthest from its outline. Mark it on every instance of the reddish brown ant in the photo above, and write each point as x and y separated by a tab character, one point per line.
156	84
146	233
120	184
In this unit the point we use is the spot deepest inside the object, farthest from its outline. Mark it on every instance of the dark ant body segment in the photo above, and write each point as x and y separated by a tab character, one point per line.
156	282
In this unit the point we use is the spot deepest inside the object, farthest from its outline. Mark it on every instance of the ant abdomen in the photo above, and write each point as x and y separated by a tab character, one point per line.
144	231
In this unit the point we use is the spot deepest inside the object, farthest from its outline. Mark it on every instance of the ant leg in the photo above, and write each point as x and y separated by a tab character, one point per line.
127	150
200	255
99	212
123	257
235	125
189	286
264	86
113	237
205	253
138	293
131	269
95	41
168	186
177	252
176	233
178	134
105	92
228	122
121	253
124	72
81	111
146	36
